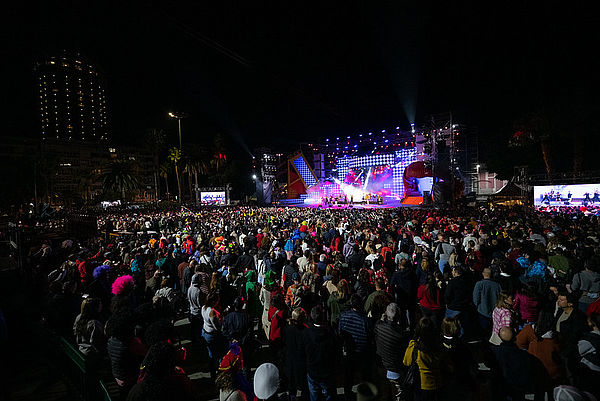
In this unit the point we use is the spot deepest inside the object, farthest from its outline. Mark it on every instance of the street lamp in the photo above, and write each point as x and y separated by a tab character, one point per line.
178	116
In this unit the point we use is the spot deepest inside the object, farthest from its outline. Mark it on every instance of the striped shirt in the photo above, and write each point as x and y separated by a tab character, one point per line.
353	327
502	318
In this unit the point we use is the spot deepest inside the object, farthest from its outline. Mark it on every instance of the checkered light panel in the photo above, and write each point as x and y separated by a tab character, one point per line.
304	171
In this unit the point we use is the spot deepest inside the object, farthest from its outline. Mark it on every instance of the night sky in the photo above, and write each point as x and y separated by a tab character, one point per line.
289	72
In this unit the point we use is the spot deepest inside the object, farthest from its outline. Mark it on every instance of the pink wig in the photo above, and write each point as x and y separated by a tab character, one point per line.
122	285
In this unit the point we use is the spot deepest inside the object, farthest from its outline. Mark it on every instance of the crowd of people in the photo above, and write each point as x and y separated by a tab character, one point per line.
403	304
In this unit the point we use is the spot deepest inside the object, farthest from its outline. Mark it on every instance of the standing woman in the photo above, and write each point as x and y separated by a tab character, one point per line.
211	331
88	330
266	292
429	296
425	349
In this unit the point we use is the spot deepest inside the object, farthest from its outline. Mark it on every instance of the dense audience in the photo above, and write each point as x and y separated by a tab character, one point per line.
426	304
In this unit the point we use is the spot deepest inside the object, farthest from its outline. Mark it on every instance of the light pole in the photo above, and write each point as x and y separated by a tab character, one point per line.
178	116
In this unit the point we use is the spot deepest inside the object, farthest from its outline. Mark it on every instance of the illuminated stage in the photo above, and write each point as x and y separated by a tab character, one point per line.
369	181
358	206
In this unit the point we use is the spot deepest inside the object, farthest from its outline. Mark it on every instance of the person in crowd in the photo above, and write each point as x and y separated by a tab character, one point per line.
458	363
458	297
379	290
363	286
403	287
424	350
196	298
502	316
339	302
236	325
485	295
267	291
277	318
571	324
443	250
588	348
391	340
294	357
125	350
430	298
541	341
321	349
160	378
515	368
353	328
89	330
212	330
526	303
587	282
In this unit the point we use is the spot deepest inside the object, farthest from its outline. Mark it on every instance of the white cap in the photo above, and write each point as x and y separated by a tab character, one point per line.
570	393
266	381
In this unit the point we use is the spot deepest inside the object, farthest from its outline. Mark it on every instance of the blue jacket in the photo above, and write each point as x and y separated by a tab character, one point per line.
485	295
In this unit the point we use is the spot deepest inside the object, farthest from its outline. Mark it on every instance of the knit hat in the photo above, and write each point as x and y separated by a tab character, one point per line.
266	381
570	393
392	311
233	359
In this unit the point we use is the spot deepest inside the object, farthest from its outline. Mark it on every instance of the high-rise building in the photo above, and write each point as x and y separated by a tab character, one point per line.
72	98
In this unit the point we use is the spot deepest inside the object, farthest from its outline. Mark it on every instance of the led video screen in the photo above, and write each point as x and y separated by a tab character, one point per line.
373	179
565	195
212	198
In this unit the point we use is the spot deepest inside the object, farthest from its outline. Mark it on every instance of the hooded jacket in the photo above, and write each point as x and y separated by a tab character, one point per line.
348	247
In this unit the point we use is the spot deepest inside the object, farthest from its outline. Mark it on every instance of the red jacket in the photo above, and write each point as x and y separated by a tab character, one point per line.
85	267
593	308
426	301
277	319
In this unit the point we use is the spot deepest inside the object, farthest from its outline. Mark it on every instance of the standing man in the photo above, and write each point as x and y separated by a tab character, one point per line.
320	349
485	295
354	330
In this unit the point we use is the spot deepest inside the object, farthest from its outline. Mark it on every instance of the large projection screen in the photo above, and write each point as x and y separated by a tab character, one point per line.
566	195
213	198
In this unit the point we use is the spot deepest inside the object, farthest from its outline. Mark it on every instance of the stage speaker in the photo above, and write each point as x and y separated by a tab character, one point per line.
426	198
441	193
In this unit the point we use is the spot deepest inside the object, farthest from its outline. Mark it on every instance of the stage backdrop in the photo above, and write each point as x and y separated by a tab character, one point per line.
377	173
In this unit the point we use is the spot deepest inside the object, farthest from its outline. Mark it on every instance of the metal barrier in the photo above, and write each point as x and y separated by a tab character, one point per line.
83	379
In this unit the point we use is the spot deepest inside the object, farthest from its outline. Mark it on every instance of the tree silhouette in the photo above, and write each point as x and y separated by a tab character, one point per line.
175	158
119	178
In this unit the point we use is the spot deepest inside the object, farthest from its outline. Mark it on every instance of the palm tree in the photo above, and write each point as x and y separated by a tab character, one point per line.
164	173
119	178
175	158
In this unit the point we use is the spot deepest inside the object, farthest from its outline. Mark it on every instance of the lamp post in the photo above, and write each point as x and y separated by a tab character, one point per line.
178	116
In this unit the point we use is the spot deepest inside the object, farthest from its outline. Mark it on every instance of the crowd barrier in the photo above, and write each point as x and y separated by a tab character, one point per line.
76	369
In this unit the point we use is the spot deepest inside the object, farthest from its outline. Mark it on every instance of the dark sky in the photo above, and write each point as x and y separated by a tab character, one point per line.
295	71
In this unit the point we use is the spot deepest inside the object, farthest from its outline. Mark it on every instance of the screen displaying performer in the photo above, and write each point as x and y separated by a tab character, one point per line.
372	179
216	198
564	195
